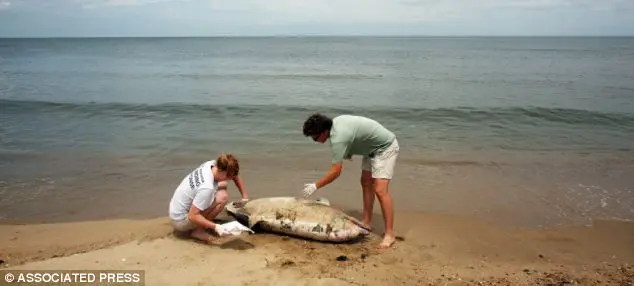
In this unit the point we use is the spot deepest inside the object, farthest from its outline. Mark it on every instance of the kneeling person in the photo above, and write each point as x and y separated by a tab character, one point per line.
202	195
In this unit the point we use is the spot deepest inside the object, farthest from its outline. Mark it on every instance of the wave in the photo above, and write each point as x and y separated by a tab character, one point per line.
451	163
497	115
197	76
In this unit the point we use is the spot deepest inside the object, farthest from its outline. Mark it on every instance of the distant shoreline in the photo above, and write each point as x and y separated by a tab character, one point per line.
327	36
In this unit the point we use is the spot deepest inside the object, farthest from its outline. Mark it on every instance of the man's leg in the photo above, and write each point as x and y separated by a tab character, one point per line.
368	197
368	192
220	200
387	207
382	171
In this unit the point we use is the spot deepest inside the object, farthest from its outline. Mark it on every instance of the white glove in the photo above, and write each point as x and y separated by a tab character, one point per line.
309	189
220	230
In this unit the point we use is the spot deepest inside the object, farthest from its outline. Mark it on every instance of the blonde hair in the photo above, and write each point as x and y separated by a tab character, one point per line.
228	163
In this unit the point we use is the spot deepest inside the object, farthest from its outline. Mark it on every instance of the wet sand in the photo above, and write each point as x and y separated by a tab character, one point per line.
514	189
432	249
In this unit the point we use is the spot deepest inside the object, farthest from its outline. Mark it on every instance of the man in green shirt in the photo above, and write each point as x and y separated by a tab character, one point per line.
356	135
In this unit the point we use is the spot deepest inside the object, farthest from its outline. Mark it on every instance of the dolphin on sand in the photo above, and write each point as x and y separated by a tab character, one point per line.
299	217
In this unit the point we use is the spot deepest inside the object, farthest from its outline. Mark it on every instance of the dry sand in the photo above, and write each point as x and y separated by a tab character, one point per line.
432	250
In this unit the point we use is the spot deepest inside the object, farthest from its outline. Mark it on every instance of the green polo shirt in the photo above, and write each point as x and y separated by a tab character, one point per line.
357	135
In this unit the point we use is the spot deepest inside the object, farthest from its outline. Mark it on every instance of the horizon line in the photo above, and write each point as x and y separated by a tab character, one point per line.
322	36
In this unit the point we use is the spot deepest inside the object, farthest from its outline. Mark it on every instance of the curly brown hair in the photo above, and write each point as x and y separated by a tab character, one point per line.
316	124
228	163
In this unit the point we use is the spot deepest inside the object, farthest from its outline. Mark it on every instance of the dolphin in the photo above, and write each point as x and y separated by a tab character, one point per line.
310	219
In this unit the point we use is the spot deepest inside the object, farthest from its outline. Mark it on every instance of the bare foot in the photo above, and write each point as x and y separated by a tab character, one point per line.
388	241
202	235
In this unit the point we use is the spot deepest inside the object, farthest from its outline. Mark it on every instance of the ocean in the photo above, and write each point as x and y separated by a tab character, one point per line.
528	131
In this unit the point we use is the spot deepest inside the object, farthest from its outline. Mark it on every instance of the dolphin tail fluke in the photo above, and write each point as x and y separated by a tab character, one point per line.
360	224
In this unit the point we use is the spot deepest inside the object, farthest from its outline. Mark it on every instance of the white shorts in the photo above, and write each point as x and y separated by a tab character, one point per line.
382	164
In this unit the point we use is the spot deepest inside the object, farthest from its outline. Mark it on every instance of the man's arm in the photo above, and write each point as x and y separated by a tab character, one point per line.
201	201
195	215
335	171
240	185
339	151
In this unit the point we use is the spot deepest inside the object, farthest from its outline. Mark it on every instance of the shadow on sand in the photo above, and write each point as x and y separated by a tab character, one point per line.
378	226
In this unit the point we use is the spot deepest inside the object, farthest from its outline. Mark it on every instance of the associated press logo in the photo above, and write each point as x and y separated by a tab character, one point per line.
9	277
73	277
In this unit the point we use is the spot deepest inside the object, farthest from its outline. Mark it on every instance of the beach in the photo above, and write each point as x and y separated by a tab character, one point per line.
432	249
471	234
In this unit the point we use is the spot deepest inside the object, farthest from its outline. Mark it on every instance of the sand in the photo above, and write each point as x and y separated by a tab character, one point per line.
432	249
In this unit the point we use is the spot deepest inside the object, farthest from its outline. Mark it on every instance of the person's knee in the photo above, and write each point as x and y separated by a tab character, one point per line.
380	187
222	186
222	197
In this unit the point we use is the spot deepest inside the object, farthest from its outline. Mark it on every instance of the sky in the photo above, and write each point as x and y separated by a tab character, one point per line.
158	18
